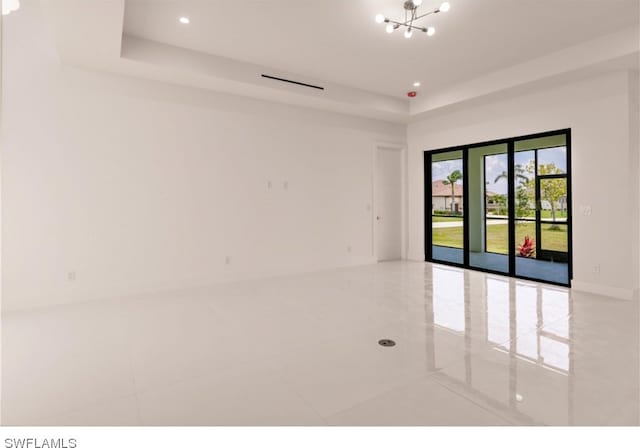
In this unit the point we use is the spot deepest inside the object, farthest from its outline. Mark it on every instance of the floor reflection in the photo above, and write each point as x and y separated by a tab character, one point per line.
472	349
448	299
511	346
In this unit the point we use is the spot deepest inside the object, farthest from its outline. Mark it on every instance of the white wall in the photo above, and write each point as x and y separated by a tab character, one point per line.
634	167
139	186
604	159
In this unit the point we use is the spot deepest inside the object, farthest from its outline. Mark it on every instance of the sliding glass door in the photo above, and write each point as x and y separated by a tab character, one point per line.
502	207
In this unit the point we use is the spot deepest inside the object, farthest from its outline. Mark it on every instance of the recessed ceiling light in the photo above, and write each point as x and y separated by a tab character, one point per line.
185	20
416	84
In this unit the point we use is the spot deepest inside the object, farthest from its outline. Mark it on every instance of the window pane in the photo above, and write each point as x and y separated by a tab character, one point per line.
447	207
554	237
552	161
525	184
488	209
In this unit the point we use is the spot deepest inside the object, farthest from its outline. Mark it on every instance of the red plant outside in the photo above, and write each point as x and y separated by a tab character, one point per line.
528	248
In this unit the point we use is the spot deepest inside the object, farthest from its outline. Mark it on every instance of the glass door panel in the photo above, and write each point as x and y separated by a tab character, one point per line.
488	177
447	207
541	209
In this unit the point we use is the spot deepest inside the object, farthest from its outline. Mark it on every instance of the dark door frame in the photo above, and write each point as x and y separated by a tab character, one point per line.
512	218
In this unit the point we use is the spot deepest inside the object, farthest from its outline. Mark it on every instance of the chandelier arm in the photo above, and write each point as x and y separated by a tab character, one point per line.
395	22
428	14
414	27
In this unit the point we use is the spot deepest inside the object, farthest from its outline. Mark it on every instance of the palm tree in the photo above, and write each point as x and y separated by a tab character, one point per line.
522	193
452	179
519	175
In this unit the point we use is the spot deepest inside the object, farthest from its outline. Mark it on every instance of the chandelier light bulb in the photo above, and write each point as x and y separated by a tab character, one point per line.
408	34
390	28
8	6
416	84
445	7
379	18
431	31
185	20
417	2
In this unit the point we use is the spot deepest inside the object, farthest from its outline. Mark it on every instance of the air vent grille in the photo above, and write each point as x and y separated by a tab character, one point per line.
298	83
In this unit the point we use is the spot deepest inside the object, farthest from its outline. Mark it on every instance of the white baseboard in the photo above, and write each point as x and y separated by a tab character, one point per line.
414	256
604	290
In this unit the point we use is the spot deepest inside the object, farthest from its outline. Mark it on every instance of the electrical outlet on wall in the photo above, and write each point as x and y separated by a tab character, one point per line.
227	260
71	276
349	248
596	269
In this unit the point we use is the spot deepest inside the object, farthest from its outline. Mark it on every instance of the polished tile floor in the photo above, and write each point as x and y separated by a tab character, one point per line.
472	349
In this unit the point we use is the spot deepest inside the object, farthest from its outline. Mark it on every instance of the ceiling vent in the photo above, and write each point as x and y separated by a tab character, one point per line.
298	83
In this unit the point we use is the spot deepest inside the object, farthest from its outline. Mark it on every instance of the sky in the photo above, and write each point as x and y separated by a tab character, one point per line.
497	164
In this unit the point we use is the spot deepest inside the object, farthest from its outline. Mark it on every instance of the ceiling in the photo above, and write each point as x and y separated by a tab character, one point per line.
338	41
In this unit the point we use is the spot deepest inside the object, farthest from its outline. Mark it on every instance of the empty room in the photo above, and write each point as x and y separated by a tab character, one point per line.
295	213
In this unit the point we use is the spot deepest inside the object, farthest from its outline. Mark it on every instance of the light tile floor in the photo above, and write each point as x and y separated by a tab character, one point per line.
472	349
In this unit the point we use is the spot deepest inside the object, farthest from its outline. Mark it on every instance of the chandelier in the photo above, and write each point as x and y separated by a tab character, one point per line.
411	16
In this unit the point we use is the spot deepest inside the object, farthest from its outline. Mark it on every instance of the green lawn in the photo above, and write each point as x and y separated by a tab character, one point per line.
445	219
497	237
544	214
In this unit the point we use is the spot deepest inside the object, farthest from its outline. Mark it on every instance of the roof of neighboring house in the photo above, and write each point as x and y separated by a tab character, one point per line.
438	188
